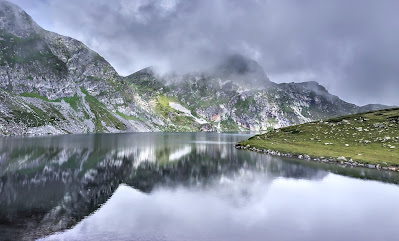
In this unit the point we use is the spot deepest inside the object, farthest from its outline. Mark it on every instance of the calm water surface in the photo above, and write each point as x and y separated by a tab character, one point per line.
186	186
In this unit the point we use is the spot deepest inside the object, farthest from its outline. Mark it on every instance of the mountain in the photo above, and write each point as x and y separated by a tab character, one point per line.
368	139
52	84
55	84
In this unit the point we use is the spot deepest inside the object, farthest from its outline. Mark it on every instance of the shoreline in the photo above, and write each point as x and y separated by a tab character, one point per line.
329	160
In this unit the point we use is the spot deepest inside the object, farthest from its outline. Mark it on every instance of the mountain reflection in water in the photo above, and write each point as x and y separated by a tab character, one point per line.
50	184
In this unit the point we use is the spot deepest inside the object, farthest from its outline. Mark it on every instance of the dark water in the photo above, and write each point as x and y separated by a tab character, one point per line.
191	186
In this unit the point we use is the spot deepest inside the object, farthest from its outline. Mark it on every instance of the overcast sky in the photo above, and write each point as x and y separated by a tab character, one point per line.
351	47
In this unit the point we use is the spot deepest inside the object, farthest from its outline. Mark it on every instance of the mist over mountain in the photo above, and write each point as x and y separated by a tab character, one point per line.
53	84
242	71
347	46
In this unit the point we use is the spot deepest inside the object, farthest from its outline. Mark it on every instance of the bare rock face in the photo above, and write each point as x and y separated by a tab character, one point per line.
39	61
53	84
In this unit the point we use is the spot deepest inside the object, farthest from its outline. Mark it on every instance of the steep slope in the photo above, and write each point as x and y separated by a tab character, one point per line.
52	84
213	103
368	139
55	84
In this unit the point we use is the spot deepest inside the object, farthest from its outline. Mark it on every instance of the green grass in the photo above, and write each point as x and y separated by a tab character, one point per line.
377	142
243	105
102	114
74	101
51	115
163	107
127	117
36	95
34	116
91	98
229	125
181	121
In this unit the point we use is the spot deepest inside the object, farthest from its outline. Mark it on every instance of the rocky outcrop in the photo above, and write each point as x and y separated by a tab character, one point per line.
52	84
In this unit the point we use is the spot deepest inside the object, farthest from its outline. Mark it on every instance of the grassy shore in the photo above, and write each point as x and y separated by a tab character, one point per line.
367	138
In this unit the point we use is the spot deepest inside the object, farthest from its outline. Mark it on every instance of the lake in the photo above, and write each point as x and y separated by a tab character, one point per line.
184	186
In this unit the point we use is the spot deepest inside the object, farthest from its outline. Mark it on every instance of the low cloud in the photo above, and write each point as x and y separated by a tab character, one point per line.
348	46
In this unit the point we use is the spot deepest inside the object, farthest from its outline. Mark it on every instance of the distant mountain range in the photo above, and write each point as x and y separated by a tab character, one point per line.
52	84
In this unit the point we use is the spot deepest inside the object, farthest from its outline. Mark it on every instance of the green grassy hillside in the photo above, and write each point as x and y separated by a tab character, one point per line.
368	138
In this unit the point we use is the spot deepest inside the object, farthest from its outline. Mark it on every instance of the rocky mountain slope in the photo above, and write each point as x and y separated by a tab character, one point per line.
52	84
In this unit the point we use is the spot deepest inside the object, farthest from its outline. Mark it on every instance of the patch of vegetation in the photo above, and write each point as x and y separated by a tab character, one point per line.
127	117
93	78
36	95
370	138
98	58
16	50
102	114
286	108
180	120
244	105
229	125
74	101
163	107
30	119
145	83
33	116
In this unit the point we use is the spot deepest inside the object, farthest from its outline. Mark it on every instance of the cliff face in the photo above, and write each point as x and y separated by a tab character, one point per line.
55	84
52	84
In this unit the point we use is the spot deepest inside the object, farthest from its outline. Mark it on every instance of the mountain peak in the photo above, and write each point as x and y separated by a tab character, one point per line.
16	21
315	86
239	64
242	70
234	95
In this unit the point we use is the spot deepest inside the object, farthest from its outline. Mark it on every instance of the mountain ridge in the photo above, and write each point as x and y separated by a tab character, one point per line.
54	84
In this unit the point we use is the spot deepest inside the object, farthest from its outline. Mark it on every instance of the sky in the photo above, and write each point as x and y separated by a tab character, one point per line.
350	47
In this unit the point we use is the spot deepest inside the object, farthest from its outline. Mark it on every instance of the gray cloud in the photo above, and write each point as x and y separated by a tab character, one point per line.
351	47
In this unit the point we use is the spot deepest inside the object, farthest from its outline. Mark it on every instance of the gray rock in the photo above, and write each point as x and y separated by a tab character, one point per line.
60	86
